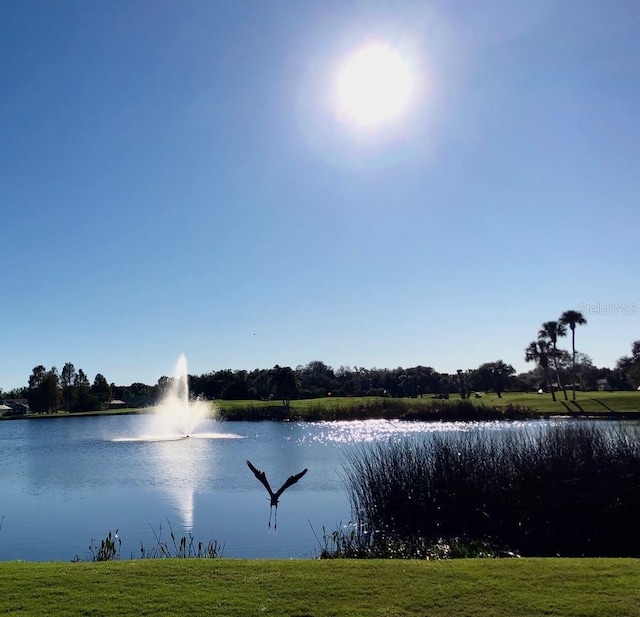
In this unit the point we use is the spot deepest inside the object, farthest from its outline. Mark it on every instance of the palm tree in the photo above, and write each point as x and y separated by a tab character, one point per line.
538	352
573	319
552	331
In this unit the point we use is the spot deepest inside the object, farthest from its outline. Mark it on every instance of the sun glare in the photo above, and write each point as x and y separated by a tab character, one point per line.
374	87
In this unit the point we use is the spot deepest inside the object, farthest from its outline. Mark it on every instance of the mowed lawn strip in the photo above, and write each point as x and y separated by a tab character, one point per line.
496	588
329	408
590	402
618	401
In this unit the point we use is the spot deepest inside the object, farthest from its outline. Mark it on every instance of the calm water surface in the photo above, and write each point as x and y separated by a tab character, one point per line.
64	482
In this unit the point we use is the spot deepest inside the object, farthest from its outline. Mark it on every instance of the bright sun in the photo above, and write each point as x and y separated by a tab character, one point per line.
374	86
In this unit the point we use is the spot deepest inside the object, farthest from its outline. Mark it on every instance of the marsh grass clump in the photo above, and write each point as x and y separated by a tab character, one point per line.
353	542
176	548
107	550
180	548
566	490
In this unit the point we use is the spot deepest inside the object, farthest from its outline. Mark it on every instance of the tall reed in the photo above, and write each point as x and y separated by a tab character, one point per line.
180	548
568	490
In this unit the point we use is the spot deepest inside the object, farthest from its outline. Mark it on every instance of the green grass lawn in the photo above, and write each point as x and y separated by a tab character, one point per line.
329	407
496	588
589	402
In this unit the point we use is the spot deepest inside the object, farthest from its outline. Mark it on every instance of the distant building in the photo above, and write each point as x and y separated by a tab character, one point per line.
17	406
117	404
604	385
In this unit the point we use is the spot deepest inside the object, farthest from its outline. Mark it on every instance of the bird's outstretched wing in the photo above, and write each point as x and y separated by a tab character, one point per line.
262	477
290	480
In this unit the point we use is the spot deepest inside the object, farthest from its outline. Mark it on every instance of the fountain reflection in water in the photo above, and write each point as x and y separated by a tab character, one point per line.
179	418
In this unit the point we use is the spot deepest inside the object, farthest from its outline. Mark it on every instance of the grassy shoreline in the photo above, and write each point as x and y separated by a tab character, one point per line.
512	406
470	587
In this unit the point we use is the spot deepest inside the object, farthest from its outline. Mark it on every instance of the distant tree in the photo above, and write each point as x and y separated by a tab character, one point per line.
627	370
344	379
538	352
409	384
573	319
35	391
415	381
15	393
586	373
161	389
82	388
218	382
141	391
136	395
284	384
552	331
316	379
348	382
101	390
446	385
494	376
528	381
38	375
52	385
463	383
81	381
389	381
427	379
66	379
633	376
237	387
260	384
43	392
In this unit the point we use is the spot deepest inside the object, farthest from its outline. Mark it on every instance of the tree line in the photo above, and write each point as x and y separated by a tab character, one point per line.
556	369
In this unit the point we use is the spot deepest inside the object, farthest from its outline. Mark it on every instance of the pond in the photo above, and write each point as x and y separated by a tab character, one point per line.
64	482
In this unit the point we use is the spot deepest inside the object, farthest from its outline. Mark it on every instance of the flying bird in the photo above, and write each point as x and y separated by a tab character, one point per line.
262	477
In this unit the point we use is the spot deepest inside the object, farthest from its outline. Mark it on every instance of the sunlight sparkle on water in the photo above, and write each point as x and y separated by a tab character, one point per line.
367	431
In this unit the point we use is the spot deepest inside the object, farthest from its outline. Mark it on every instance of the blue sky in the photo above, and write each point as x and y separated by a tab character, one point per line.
174	180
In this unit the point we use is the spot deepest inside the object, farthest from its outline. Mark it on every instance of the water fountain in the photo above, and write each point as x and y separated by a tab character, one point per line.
174	419
178	417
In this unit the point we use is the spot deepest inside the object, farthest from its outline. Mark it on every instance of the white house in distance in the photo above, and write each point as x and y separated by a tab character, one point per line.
14	407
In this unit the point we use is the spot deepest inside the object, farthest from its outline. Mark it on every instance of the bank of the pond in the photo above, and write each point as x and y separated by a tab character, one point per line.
478	588
487	407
